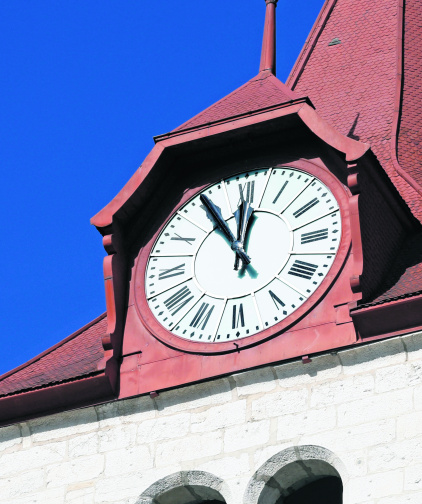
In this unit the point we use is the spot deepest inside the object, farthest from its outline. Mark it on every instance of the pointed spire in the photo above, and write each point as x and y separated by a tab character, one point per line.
268	41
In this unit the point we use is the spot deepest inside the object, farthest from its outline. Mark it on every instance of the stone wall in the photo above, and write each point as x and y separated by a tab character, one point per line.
359	410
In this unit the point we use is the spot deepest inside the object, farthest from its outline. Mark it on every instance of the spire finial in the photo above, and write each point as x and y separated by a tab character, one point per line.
268	41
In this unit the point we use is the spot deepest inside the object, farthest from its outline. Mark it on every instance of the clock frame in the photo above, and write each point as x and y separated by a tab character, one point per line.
153	326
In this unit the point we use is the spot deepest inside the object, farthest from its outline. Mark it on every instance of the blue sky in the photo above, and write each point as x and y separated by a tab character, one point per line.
84	86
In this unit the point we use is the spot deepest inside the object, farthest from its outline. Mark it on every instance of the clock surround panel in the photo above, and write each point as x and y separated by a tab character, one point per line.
197	310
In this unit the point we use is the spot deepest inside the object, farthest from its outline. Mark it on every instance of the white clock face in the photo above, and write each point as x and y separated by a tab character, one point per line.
291	233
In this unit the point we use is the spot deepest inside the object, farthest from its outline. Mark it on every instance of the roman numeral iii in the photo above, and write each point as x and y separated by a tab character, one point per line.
322	234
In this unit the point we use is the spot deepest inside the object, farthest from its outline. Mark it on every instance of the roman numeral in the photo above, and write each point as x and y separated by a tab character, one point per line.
322	234
280	191
178	300
168	273
202	316
247	191
276	299
303	269
180	238
306	207
238	317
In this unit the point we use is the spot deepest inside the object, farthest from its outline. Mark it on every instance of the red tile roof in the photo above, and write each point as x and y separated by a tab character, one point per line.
76	356
263	91
409	148
355	84
405	275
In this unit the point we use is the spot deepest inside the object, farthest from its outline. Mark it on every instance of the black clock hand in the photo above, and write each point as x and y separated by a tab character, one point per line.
222	224
242	215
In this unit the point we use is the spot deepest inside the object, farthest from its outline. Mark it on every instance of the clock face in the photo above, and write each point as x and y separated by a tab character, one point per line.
199	284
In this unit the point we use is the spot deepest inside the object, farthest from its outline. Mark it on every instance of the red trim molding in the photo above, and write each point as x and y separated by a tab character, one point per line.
53	399
389	319
310	119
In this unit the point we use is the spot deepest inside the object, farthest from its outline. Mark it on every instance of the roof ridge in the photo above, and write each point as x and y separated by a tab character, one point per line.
284	87
264	76
221	100
310	43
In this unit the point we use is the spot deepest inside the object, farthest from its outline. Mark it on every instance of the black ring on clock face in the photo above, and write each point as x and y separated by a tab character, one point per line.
199	284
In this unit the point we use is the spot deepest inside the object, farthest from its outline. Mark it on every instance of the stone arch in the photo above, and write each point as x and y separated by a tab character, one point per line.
292	469
186	487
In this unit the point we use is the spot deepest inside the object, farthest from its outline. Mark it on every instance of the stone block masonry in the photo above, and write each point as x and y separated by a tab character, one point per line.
362	405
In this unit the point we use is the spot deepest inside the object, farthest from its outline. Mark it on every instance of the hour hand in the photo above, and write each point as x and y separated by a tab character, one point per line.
242	216
222	224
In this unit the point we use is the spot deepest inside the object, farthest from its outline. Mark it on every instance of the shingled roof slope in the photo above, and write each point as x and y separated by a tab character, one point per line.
350	67
261	92
409	148
405	275
76	356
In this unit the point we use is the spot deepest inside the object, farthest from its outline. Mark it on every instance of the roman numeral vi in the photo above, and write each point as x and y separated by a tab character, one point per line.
238	317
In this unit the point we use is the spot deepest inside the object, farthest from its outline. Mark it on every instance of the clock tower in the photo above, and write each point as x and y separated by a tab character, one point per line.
238	242
263	278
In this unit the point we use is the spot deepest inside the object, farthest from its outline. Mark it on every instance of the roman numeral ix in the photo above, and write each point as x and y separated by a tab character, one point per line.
181	238
303	269
178	300
168	273
322	234
202	316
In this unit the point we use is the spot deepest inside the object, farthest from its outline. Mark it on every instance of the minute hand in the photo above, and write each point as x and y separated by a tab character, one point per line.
222	224
242	215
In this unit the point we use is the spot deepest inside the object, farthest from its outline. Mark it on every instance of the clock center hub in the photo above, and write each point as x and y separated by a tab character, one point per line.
267	243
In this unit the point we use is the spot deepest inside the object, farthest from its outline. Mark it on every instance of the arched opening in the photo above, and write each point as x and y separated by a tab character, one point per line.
298	475
186	487
190	494
326	490
301	482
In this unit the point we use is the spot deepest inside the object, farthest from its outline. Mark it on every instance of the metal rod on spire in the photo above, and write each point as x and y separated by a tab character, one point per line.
268	41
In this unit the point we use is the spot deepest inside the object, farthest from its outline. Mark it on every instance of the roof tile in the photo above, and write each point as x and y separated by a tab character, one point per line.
74	357
405	275
353	84
261	92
